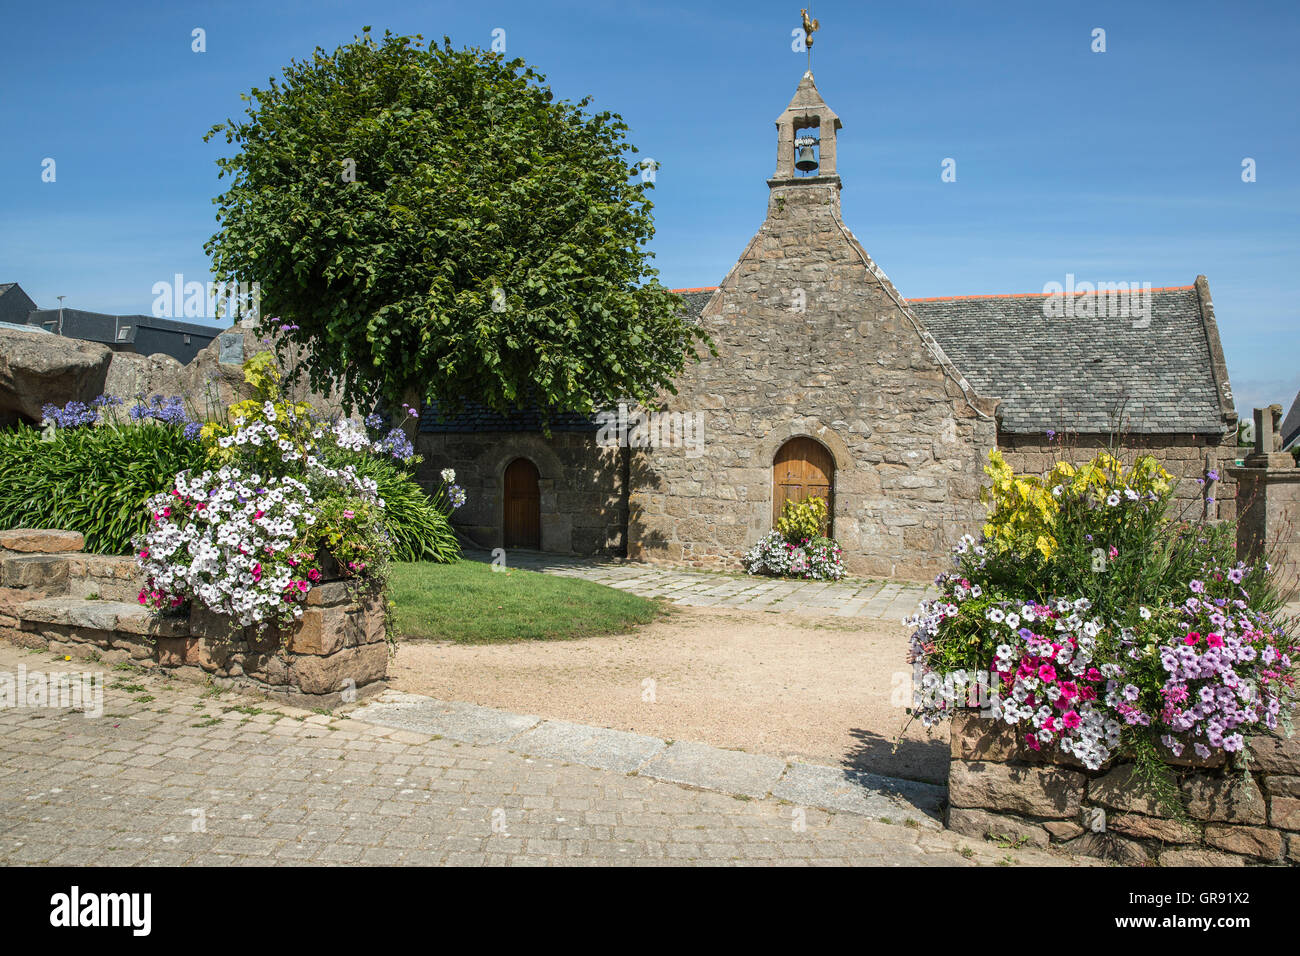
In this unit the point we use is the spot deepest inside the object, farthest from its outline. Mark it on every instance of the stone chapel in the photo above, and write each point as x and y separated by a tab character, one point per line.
827	381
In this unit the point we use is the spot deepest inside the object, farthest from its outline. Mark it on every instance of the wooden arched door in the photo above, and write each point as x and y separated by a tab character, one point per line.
523	505
803	468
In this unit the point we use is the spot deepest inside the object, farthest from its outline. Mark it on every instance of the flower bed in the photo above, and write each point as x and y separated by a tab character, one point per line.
1095	628
265	555
798	548
57	599
286	510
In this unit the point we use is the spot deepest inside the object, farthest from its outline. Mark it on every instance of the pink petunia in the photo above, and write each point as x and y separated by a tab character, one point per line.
1071	719
1191	638
1214	640
1047	673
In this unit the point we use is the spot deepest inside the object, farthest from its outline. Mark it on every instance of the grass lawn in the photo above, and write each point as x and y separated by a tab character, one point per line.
470	603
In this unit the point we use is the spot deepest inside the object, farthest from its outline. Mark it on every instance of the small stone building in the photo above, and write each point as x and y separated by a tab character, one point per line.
827	381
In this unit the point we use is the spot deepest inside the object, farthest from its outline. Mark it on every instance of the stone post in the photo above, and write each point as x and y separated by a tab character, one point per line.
1268	504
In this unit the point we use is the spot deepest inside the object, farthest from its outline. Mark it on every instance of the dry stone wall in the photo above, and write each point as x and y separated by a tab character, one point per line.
999	788
55	598
1269	520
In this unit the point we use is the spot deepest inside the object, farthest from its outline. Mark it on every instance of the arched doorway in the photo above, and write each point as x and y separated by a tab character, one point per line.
523	506
802	468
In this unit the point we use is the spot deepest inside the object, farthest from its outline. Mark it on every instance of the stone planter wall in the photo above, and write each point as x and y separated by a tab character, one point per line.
56	598
997	787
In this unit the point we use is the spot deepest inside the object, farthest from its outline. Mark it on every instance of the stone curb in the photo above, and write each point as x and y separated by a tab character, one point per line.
697	765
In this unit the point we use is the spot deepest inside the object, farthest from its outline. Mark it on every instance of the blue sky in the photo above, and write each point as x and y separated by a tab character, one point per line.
1115	166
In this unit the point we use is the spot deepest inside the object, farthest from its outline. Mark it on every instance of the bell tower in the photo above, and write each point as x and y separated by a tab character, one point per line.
805	139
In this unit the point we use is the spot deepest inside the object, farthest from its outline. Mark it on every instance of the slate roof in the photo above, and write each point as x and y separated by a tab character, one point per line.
1063	374
1070	374
91	326
696	300
14	303
476	417
1291	424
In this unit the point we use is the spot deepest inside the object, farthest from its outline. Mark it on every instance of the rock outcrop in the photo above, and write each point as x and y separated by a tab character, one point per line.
213	379
37	368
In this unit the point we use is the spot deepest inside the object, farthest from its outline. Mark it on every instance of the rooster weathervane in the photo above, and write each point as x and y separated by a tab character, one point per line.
810	26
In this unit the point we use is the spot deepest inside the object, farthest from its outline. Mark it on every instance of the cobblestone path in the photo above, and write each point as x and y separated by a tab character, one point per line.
852	597
174	773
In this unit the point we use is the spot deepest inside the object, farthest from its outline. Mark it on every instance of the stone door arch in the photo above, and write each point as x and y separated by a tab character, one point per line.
522	506
802	468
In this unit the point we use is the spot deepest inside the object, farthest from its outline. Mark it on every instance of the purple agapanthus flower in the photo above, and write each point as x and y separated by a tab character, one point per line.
71	415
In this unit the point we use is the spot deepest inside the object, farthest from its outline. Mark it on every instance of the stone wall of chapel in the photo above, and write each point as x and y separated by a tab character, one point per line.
851	370
583	504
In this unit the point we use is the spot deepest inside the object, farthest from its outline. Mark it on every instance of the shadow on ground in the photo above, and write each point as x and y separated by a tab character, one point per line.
925	760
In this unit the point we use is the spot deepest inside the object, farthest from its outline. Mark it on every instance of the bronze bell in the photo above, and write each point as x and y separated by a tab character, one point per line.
807	162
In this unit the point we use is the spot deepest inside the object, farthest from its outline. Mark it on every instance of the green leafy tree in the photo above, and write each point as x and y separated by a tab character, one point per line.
430	223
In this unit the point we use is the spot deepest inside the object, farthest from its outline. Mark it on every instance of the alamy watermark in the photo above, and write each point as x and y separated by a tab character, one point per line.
125	910
641	429
930	690
84	692
1102	300
206	300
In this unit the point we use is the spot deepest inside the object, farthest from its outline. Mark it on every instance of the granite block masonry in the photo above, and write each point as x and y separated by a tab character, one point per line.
1268	504
814	341
54	597
999	788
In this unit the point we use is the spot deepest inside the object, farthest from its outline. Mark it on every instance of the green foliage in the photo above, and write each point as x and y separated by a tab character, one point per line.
417	524
802	521
434	222
92	480
1134	553
419	529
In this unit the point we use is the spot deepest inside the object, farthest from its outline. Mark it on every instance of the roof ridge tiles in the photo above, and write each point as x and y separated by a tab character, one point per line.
1030	295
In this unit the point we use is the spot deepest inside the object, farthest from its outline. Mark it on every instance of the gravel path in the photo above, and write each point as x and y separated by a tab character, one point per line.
812	689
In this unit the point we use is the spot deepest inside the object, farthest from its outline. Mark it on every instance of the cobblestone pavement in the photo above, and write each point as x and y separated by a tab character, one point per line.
852	597
176	773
